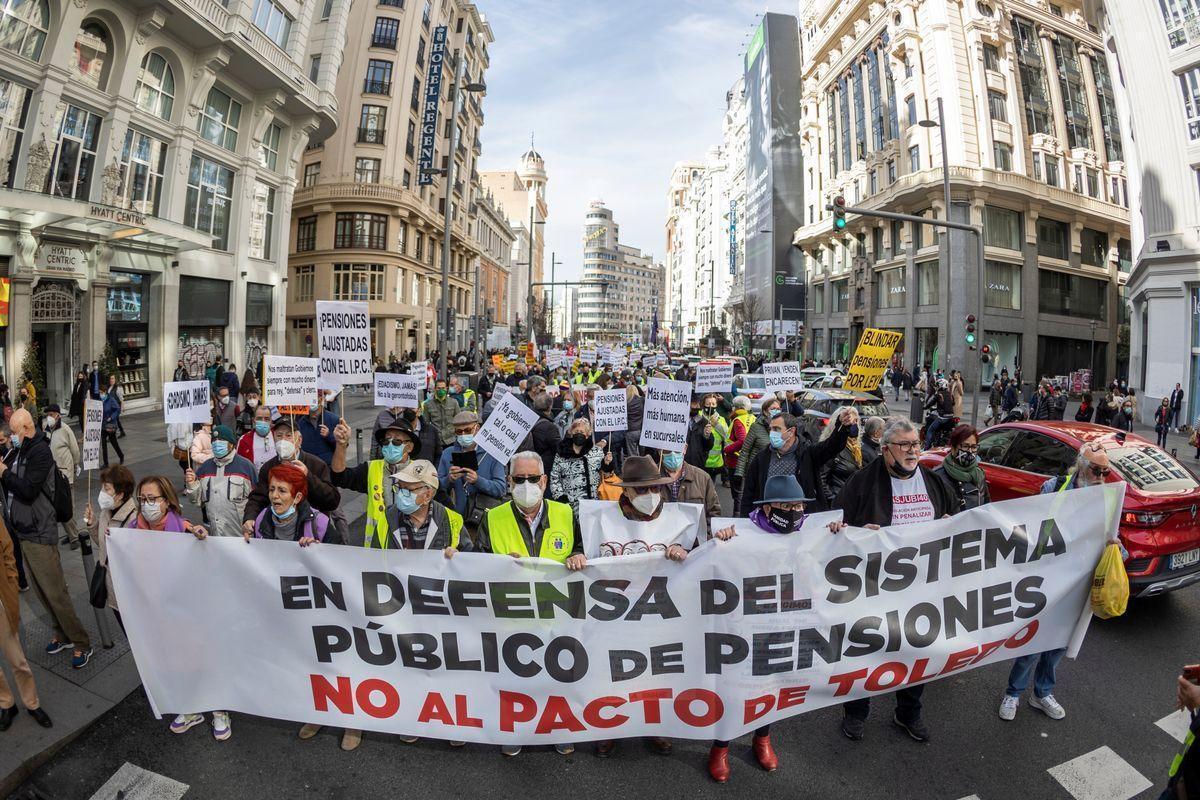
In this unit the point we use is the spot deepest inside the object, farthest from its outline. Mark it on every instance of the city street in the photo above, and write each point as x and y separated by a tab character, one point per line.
1117	740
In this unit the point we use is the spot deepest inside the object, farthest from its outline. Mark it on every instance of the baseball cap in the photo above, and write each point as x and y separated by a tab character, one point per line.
419	471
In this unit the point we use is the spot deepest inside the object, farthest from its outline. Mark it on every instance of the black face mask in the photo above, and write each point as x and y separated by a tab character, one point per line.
695	411
900	472
579	439
785	521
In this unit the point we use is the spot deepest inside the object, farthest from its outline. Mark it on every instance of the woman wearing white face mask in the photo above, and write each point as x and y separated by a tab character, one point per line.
117	510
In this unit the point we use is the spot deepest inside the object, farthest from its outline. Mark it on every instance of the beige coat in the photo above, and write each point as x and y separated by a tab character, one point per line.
956	392
65	448
9	597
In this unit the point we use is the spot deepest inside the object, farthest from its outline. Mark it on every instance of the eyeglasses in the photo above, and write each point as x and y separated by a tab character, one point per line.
969	448
908	447
526	478
395	441
1100	472
147	499
644	489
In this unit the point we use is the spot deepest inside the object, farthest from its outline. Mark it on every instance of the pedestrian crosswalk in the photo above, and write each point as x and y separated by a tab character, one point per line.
134	783
1100	775
1176	724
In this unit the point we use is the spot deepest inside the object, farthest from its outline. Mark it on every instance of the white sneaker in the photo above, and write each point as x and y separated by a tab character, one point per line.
220	725
1048	705
185	722
1008	707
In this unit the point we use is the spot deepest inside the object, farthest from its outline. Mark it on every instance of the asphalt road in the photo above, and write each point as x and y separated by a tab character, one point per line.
1115	693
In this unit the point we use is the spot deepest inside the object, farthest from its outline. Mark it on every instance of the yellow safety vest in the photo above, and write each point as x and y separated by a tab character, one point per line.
558	540
377	527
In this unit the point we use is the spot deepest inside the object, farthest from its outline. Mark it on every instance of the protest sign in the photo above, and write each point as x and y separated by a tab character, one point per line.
714	376
665	419
661	359
552	390
611	410
554	359
418	368
588	357
782	376
744	633
187	402
344	342
289	381
871	358
501	389
393	390
506	427
606	532
93	422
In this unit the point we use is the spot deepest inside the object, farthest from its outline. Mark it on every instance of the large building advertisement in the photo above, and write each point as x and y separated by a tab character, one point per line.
774	186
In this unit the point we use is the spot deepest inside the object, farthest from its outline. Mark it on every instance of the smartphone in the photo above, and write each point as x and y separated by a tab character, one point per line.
1192	673
467	460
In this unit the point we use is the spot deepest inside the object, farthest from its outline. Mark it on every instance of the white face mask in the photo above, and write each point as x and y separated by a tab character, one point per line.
286	449
152	512
527	495
647	503
105	500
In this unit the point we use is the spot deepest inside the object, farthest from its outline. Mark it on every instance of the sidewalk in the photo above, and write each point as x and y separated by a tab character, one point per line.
73	698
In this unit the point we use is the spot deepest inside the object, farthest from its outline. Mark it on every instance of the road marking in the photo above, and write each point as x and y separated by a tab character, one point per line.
1100	775
135	783
970	797
1176	724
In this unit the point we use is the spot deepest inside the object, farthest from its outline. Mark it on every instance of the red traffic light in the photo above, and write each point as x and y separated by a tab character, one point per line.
987	348
970	319
839	201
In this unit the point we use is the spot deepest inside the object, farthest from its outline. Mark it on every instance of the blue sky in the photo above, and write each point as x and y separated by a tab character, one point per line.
615	93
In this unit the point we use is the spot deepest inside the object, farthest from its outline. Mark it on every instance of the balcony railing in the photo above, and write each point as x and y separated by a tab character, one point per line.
370	135
377	87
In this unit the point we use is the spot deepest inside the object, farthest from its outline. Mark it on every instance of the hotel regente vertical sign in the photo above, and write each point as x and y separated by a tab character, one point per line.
429	110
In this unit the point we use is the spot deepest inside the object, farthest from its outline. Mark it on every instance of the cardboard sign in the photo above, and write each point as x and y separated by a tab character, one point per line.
665	419
554	359
392	390
611	409
187	402
782	376
289	380
871	357
714	376
418	368
587	356
506	428
344	339
93	426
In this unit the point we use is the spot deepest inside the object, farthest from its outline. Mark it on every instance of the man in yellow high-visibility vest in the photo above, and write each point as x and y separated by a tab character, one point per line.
531	525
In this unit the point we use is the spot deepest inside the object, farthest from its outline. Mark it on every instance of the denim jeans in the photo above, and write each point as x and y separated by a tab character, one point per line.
1043	675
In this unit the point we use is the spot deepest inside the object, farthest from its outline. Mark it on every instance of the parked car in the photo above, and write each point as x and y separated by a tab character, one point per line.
753	386
820	405
822	378
1159	525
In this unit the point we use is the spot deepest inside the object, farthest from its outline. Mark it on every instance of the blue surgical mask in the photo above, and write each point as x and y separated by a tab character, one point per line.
393	453
103	396
466	440
220	448
405	501
776	440
262	428
14	440
285	515
672	461
568	405
773	413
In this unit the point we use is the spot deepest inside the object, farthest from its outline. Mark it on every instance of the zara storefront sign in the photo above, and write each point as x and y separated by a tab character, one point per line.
53	257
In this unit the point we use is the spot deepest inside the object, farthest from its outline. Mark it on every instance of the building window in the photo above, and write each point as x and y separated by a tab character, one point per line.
361	231
844	106
890	288
1110	126
92	45
1093	183
143	163
914	159
262	220
155	90
219	119
406	181
419	252
326	9
841	295
386	32
876	91
832	137
410	142
1033	76
268	152
1189	84
1070	80
818	294
303	279
74	153
306	234
860	112
1124	256
1003	155
897	238
312	173
371	124
209	200
1179	15
997	105
1052	171
314	68
14	105
1053	238
24	26
392	3
272	20
891	171
927	283
1003	288
1071	295
910	103
1093	248
366	170
1001	228
991	58
874	184
421	53
358	281
379	77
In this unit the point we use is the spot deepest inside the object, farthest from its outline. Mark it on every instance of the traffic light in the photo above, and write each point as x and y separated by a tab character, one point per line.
839	214
985	352
970	331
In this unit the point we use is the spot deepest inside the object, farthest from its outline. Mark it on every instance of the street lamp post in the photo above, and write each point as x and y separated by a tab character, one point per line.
940	124
1092	356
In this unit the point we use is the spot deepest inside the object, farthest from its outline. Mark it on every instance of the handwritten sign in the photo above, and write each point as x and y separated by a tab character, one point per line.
394	390
506	428
186	402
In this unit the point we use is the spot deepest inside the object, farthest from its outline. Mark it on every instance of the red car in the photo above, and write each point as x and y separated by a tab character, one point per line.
1159	526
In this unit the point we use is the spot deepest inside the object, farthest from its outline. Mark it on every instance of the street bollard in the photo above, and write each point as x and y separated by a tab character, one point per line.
358	444
89	569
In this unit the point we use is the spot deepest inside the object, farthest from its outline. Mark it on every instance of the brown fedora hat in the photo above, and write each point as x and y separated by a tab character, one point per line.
638	471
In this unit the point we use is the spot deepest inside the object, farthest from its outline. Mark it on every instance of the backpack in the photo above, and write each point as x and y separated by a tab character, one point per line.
63	504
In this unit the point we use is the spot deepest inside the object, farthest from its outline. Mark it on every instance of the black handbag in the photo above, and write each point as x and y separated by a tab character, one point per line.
98	590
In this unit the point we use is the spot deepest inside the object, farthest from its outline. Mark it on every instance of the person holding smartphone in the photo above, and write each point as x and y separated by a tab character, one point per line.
475	480
1184	776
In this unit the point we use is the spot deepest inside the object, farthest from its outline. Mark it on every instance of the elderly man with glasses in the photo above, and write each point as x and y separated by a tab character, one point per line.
1092	468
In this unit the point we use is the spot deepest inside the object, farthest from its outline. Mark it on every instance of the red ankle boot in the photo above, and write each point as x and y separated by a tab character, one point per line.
764	753
718	763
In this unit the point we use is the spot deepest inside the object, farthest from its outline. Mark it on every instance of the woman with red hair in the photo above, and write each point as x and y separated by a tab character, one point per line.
961	468
289	517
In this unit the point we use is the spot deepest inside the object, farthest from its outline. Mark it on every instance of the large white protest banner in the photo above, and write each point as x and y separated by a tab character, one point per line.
606	532
506	427
714	376
743	633
665	417
612	410
344	342
782	376
93	422
395	390
289	380
187	402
